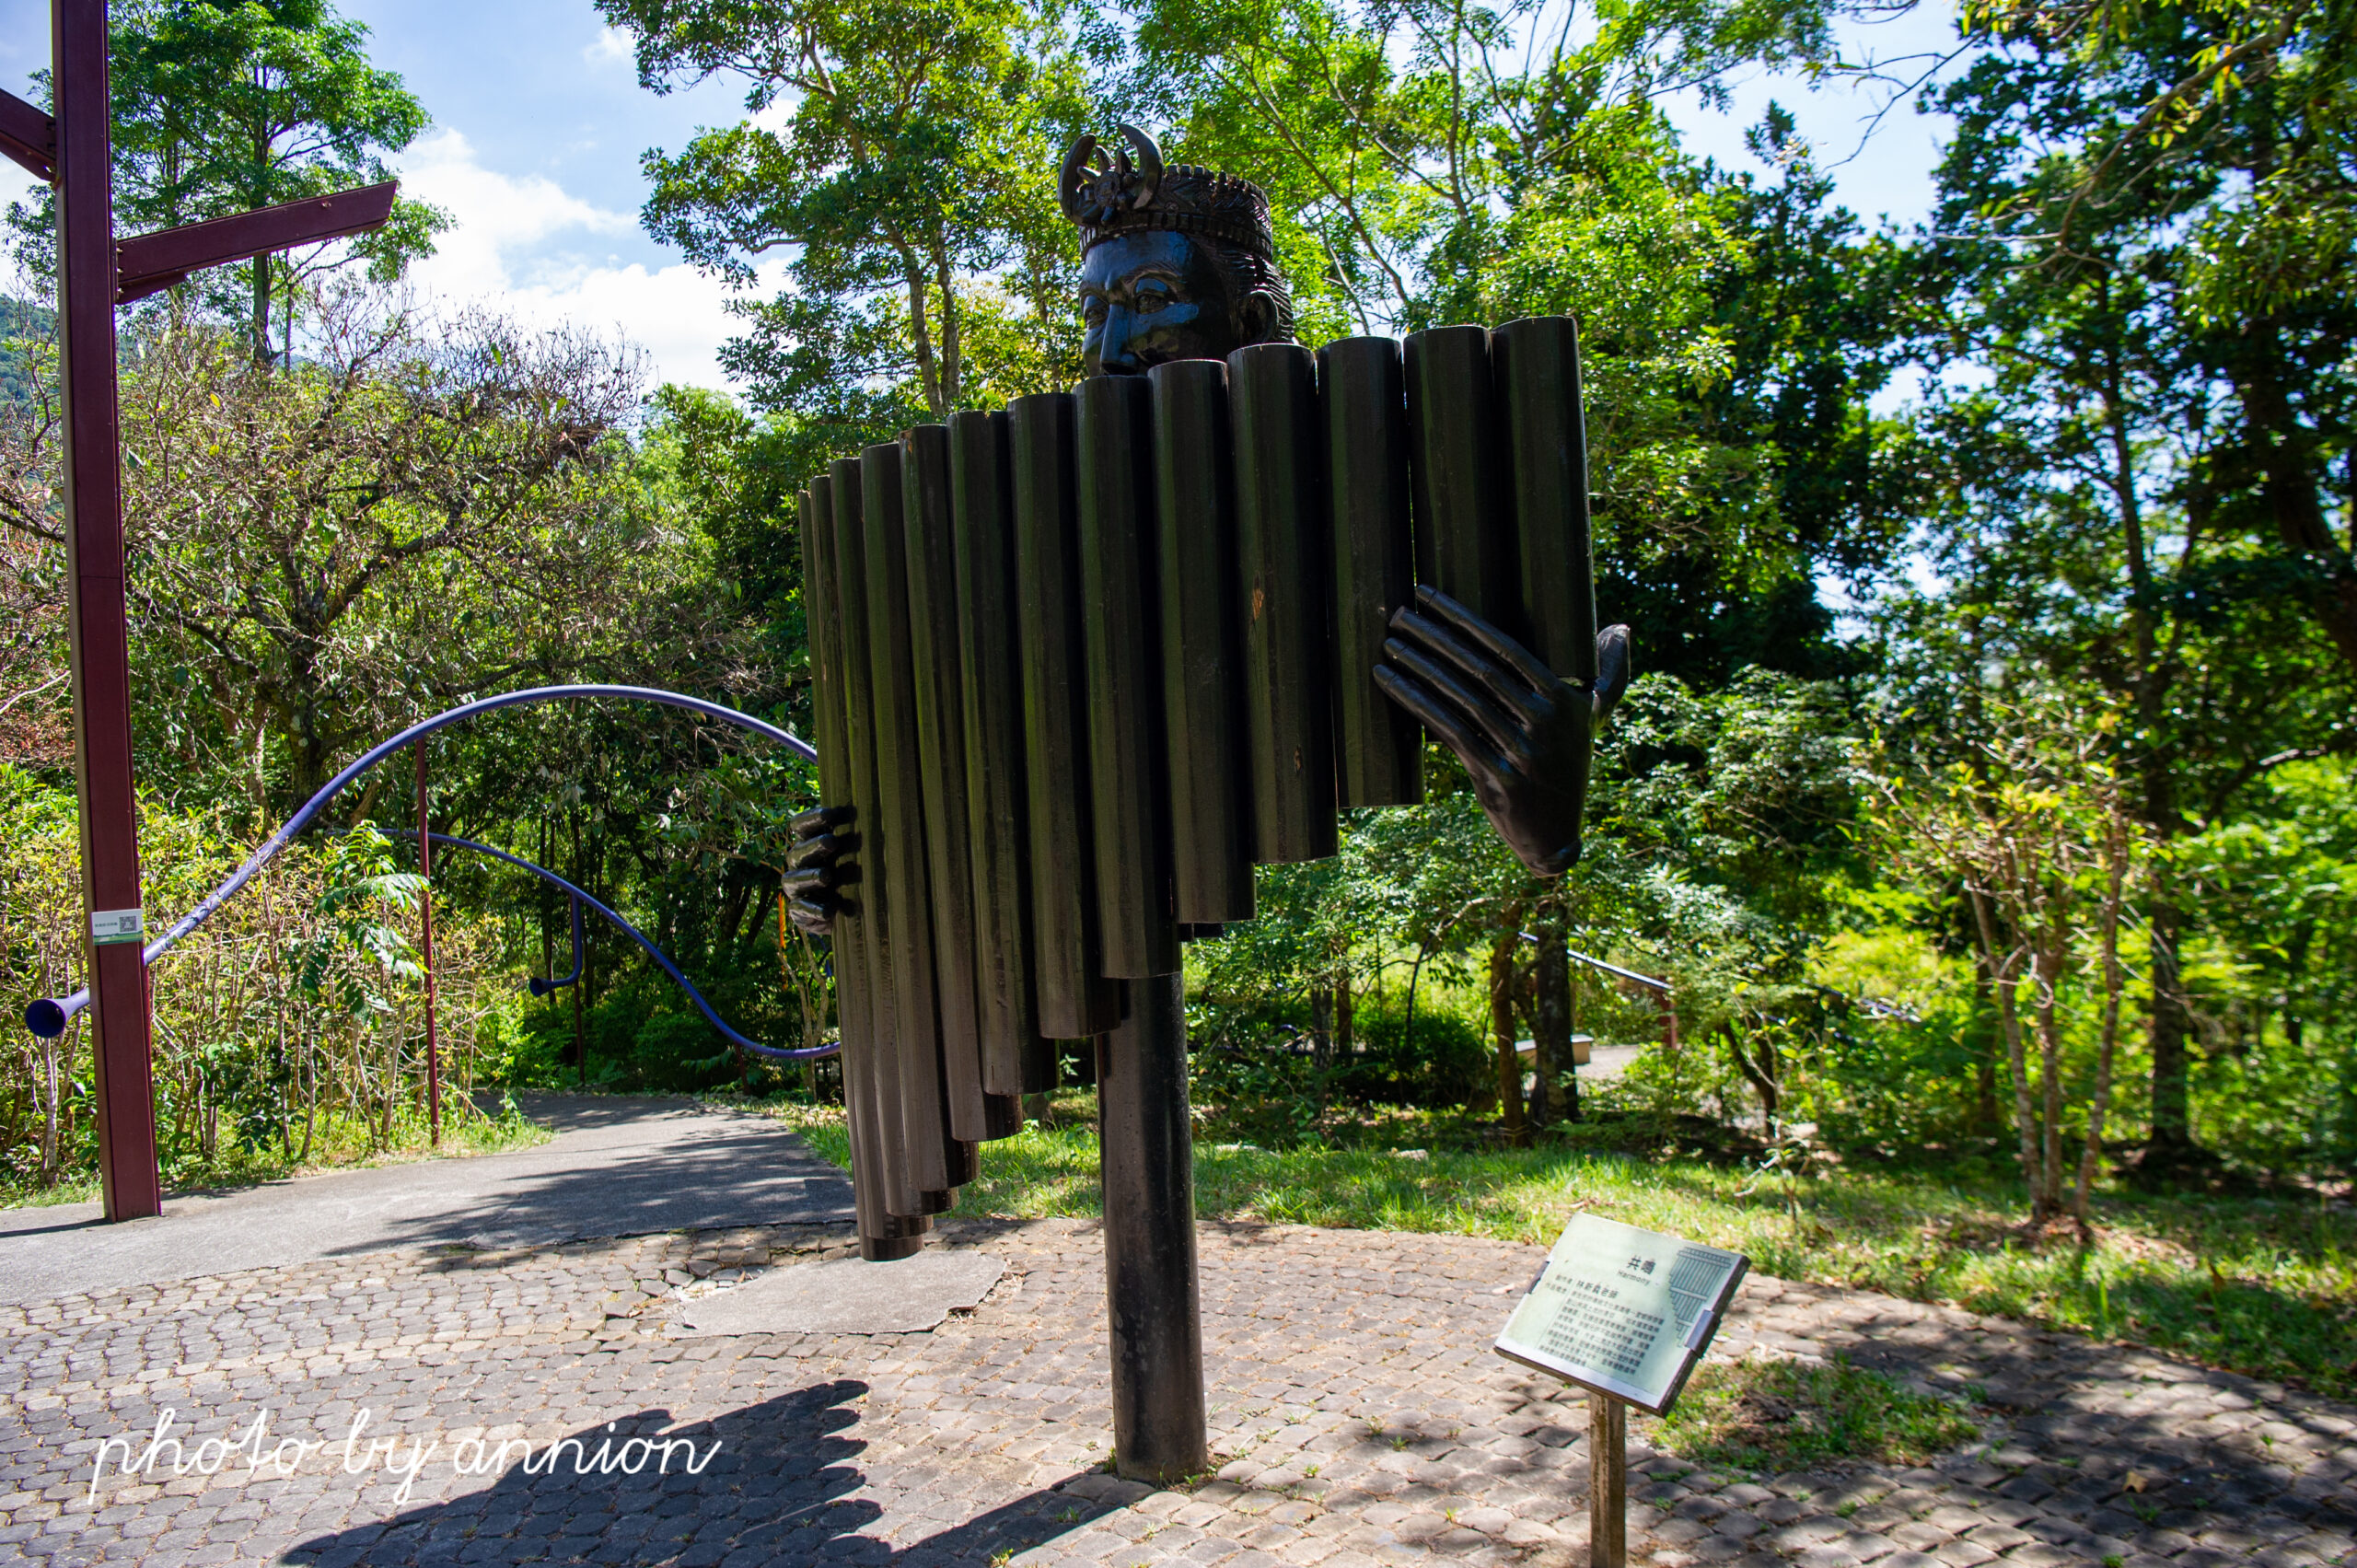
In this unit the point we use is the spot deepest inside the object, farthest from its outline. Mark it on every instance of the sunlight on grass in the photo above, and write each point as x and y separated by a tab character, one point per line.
1783	1416
337	1143
2263	1287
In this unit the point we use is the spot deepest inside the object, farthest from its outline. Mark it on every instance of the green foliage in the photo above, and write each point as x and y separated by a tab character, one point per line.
288	1031
912	179
360	898
1263	1071
222	106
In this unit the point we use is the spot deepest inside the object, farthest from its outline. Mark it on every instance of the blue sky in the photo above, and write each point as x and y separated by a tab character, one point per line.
539	123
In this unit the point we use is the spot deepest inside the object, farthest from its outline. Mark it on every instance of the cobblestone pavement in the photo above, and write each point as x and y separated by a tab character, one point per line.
1360	1417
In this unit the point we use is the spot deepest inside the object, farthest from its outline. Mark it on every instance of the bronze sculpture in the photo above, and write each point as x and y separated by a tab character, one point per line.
1083	664
1179	262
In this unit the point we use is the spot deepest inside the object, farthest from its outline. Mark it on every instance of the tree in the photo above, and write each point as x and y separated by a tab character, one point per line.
2140	485
2034	826
323	553
911	179
221	106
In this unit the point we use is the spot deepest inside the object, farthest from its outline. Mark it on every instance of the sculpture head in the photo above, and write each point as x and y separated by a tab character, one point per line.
1176	263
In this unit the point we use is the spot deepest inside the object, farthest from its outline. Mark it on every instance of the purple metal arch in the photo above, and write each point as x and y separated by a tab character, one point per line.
555	983
49	1016
775	1053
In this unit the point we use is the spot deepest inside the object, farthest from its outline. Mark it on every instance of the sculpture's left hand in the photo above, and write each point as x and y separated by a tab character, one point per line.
820	867
1523	733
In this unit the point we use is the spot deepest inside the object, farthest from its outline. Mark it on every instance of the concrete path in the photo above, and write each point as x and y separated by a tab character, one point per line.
443	1410
618	1167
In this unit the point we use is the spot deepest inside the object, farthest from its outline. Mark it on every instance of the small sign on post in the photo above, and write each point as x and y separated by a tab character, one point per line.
1625	1314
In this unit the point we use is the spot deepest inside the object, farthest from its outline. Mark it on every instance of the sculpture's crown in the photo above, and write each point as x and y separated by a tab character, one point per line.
1110	195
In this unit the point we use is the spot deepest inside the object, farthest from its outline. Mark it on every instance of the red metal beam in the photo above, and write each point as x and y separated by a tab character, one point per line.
425	948
28	136
96	624
149	263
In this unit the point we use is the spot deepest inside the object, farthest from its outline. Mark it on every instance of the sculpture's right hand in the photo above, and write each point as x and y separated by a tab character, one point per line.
820	867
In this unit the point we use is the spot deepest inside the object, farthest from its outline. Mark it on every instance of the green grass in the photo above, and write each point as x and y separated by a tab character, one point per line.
337	1143
1782	1415
2259	1286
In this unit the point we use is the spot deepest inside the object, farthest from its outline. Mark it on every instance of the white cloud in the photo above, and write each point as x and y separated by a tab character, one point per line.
523	245
610	48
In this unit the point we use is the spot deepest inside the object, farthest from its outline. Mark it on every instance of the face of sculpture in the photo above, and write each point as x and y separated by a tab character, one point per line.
1152	296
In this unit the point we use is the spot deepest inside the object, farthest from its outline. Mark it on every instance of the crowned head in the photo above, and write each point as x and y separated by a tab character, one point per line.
1177	263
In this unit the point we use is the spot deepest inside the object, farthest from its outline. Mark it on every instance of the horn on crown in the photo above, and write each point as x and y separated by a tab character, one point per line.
1149	177
1072	183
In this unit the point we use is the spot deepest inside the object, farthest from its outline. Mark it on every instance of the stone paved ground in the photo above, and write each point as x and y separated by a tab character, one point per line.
1359	1418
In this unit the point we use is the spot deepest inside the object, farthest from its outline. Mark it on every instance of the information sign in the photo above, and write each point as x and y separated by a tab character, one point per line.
1623	1311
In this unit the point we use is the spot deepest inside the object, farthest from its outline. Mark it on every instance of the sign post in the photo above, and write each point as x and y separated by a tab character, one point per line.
73	150
1626	1315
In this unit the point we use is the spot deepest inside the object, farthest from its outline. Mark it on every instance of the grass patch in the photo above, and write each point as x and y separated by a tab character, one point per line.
2260	1286
1782	1415
336	1144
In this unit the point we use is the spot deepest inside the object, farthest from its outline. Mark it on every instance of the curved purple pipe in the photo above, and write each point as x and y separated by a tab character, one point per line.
48	1018
775	1053
555	983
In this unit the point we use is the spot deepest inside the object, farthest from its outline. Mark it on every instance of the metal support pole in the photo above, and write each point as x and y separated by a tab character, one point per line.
1146	1157
95	620
580	1033
1607	1487
425	951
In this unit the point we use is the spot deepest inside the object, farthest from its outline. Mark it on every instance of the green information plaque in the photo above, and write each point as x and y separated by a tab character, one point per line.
1623	1311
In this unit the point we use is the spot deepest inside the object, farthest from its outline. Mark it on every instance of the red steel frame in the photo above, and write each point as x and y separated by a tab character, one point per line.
74	149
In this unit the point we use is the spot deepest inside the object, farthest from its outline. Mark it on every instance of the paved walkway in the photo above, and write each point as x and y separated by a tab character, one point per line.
1359	1417
619	1166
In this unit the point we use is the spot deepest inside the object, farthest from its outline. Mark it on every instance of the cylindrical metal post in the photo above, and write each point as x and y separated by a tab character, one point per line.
97	626
940	689
580	1026
877	1001
1146	1157
1279	532
1202	644
895	879
1607	1486
1074	1002
1379	748
1465	541
882	1235
426	952
1538	367
1128	775
1015	1060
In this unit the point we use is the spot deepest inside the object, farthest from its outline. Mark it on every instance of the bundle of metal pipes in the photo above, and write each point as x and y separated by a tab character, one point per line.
1085	663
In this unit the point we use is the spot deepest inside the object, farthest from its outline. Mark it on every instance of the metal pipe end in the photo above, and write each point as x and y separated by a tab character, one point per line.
46	1017
537	986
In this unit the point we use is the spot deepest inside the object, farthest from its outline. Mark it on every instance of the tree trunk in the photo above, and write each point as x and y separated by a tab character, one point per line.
1503	1034
2114	983
2048	974
952	355
921	335
1983	1117
2171	1141
263	352
2289	459
2009	1017
1759	1074
1551	1026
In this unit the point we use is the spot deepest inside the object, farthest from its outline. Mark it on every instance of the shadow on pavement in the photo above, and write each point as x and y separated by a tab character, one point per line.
2118	1432
779	1489
632	1166
617	1167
